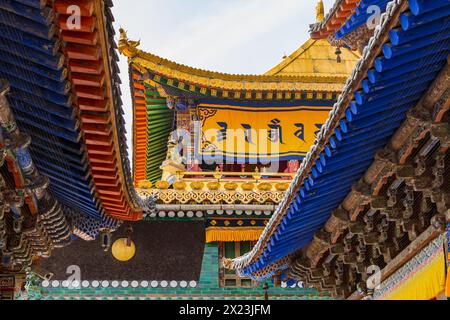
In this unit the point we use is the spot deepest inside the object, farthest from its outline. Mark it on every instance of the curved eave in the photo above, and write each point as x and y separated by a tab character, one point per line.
28	194
43	103
395	85
139	125
193	79
359	18
152	124
333	21
93	72
61	93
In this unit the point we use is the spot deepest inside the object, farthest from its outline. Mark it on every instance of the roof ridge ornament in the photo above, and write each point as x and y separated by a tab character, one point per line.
128	47
320	11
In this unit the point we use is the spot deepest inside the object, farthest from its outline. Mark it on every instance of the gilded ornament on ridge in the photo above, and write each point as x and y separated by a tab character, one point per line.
179	185
162	185
213	186
197	185
231	186
264	186
248	186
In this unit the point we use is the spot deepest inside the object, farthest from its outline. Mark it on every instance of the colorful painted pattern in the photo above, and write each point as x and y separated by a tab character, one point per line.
153	123
66	76
159	87
278	132
422	278
32	221
354	130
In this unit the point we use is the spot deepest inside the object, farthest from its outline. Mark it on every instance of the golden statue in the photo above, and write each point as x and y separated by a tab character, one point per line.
126	46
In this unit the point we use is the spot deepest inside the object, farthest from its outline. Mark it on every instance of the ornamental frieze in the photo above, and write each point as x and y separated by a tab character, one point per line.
210	196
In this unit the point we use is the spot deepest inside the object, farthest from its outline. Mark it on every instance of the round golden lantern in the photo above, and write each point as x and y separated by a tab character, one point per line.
282	186
248	186
121	251
264	186
213	186
162	185
197	185
179	185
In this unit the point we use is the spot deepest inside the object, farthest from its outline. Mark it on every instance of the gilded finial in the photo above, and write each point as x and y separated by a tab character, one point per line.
320	11
257	175
218	173
126	46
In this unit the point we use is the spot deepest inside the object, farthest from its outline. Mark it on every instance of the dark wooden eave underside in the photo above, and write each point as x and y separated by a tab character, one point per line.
402	196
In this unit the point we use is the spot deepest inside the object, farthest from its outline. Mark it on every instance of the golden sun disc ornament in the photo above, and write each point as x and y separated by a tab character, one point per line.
121	251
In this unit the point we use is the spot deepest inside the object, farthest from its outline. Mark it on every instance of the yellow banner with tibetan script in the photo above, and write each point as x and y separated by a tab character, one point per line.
246	133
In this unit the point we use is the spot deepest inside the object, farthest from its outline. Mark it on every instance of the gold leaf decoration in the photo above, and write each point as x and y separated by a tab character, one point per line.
213	186
179	185
197	185
264	186
248	186
162	185
231	186
282	186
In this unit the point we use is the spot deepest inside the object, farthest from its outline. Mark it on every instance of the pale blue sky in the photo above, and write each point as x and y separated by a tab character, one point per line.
233	36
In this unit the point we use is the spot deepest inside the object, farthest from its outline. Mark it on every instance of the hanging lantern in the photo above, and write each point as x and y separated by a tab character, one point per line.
338	55
123	252
106	240
124	249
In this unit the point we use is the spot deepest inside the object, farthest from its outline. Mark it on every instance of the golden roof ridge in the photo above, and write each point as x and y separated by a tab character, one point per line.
148	60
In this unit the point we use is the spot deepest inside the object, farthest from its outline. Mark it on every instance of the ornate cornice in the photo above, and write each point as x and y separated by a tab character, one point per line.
334	18
409	169
220	188
215	197
173	71
353	83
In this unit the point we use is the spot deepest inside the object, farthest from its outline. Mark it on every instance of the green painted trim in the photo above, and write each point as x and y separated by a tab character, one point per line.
160	121
266	95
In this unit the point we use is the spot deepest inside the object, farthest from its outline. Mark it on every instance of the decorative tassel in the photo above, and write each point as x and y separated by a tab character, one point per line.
338	55
214	234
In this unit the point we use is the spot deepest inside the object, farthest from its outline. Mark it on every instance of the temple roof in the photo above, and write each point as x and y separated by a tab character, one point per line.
315	58
360	17
312	72
24	194
337	15
313	67
386	84
350	23
68	81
